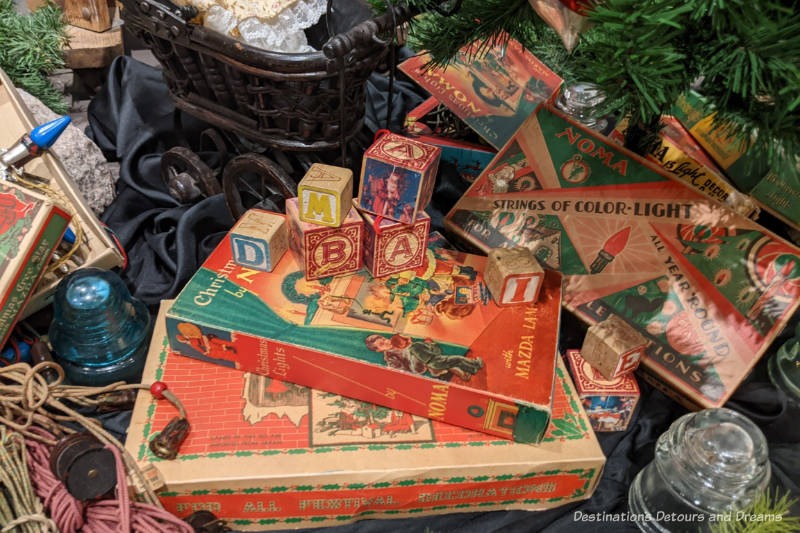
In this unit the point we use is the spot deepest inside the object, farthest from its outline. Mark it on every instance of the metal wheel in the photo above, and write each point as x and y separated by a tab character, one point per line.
254	181
186	176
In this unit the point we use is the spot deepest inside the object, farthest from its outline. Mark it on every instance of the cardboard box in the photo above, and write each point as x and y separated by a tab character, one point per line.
98	249
609	404
425	341
397	177
265	454
708	287
776	190
31	226
493	89
469	158
676	151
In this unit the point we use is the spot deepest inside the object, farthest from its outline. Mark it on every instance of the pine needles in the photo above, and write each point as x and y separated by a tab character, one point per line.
768	513
645	53
30	48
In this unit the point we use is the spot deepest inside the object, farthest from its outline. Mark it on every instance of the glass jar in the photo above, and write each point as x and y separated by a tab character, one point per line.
706	466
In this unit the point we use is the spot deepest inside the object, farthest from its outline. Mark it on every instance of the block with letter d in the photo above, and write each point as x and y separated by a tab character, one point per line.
613	347
513	276
325	251
391	247
259	239
325	194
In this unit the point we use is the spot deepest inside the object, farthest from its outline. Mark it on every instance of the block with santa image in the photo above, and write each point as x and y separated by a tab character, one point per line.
609	404
397	177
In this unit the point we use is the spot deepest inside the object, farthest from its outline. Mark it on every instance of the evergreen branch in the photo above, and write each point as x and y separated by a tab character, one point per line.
32	47
767	505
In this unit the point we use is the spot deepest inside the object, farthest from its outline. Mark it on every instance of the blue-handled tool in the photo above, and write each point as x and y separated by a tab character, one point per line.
31	145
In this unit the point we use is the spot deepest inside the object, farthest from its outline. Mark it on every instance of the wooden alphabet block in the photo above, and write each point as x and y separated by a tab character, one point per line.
613	347
391	247
325	194
609	404
325	251
513	276
397	177
259	239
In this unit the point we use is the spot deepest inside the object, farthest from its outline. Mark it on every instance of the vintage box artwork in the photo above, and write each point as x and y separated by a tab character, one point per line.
421	340
31	227
492	89
609	403
710	289
397	177
267	454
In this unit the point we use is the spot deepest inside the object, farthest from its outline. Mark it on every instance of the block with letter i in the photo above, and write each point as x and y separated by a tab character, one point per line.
609	404
325	194
325	251
613	347
259	239
397	177
391	247
513	276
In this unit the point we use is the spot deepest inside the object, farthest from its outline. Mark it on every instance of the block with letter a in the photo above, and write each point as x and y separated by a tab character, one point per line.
325	194
325	251
391	247
513	276
259	239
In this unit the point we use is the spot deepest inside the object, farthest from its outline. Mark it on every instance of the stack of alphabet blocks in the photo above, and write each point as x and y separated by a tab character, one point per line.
333	234
603	372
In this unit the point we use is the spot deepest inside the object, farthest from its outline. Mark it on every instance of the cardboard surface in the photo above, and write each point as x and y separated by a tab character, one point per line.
265	454
422	341
708	287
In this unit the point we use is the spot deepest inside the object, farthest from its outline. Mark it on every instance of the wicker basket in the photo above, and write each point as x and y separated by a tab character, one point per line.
313	101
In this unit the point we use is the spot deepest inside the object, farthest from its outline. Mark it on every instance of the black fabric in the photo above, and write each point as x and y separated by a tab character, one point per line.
132	121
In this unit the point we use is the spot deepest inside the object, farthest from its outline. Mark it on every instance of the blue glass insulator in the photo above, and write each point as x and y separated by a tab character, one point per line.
99	331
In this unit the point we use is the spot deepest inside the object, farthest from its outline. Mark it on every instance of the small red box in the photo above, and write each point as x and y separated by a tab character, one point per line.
324	251
397	177
609	404
392	247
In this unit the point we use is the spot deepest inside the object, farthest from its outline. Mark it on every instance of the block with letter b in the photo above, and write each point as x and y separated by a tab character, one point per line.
391	247
513	276
325	194
259	239
325	251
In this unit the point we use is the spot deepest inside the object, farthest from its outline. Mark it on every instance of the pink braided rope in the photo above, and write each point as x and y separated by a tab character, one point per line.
118	515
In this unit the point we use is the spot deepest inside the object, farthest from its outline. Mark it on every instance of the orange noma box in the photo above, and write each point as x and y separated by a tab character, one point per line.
266	454
429	341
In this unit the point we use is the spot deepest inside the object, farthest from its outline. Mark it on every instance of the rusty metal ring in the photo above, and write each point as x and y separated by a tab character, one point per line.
180	160
273	179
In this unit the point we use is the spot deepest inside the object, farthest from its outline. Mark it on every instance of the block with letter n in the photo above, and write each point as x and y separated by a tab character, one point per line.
259	239
513	276
325	194
391	247
325	251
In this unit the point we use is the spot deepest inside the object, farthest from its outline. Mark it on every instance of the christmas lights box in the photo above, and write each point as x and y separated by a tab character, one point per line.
97	249
469	158
710	289
31	227
266	454
491	88
776	190
429	341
